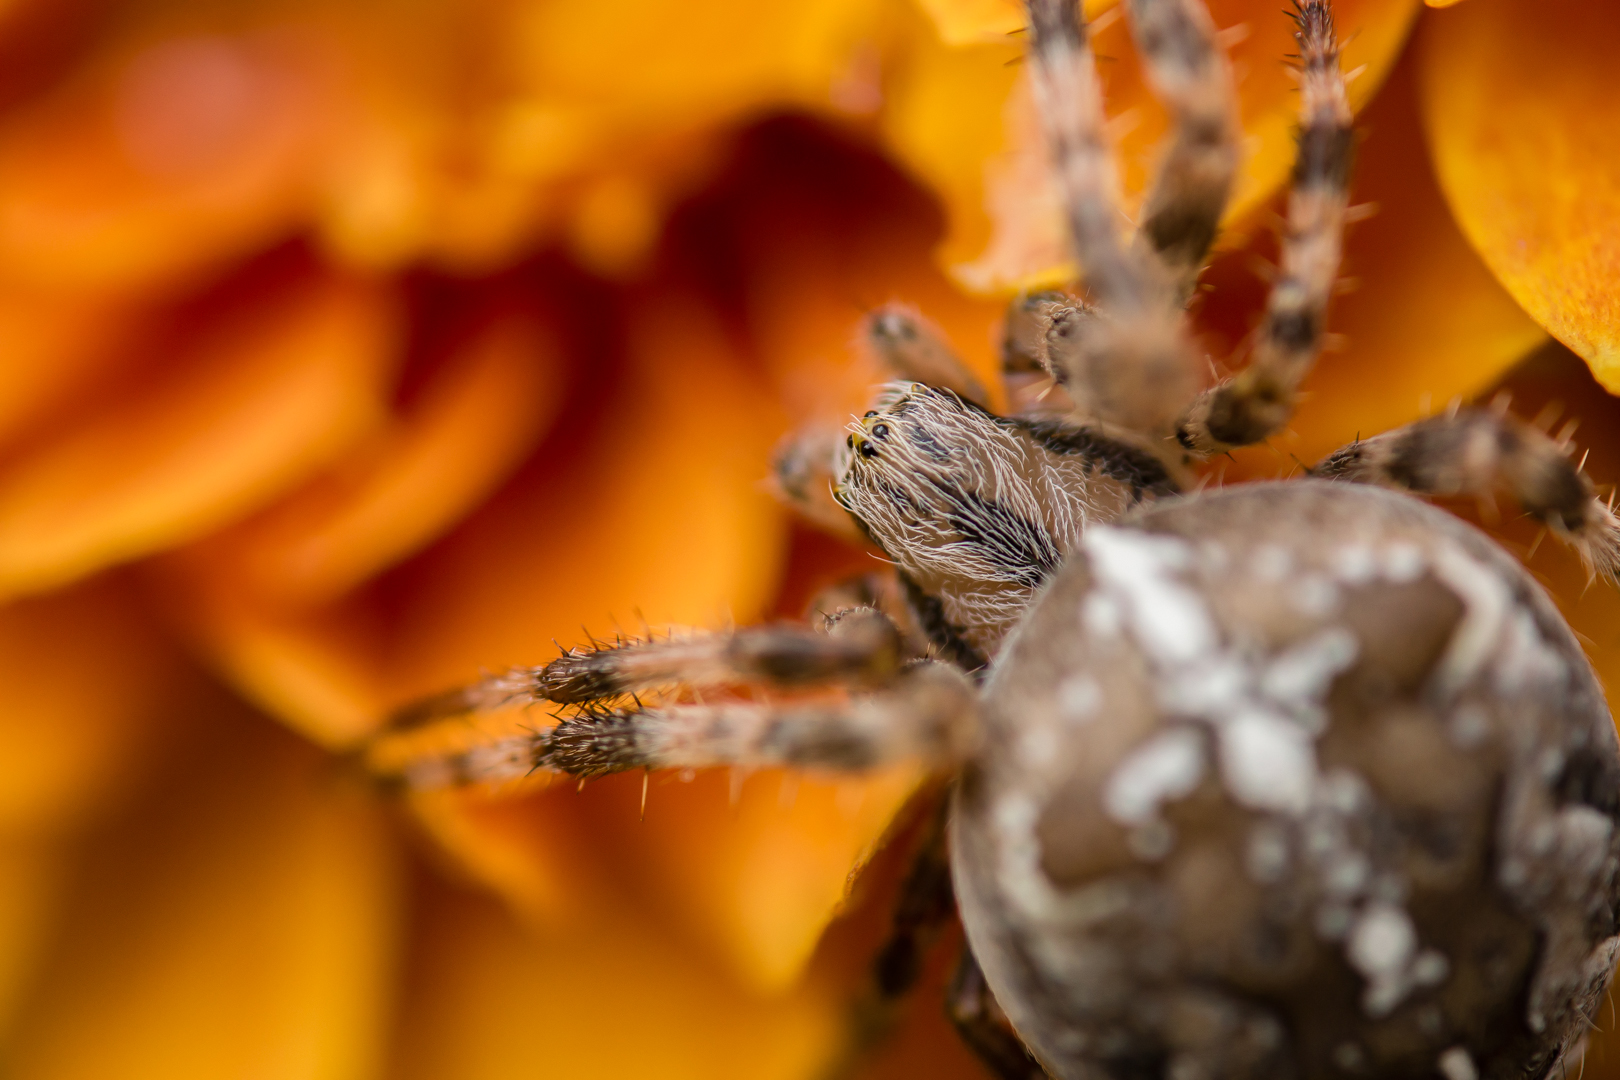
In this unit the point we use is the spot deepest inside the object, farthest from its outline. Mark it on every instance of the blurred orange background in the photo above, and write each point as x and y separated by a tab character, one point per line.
351	348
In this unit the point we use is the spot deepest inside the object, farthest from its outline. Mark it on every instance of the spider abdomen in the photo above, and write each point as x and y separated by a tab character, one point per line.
1292	780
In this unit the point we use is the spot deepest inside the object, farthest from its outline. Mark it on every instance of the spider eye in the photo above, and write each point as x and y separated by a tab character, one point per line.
850	442
868	450
880	431
870	413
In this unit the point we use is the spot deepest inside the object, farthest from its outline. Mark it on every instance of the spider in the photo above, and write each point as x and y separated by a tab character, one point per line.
1300	778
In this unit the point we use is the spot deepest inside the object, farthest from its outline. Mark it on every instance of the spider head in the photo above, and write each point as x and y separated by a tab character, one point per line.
909	455
907	430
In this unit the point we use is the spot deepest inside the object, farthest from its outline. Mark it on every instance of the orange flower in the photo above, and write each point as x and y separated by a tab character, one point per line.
347	349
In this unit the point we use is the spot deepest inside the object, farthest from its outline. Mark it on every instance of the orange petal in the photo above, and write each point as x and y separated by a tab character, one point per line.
963	22
254	405
964	121
751	868
321	672
1521	114
824	230
636	57
647	506
610	996
649	503
58	348
1425	321
32	876
240	923
72	739
262	598
481	411
170	152
756	871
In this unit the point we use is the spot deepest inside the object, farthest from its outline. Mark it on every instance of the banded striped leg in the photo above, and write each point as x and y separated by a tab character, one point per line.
861	646
915	350
1260	399
984	1027
1190	74
925	904
1478	453
1132	366
802	478
928	713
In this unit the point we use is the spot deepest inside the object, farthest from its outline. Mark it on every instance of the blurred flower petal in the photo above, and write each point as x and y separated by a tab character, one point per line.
252	940
818	230
757	866
251	407
168	154
649	506
263	598
84	687
319	672
55	348
751	867
32	876
680	65
964	22
481	411
1425	321
610	996
1521	113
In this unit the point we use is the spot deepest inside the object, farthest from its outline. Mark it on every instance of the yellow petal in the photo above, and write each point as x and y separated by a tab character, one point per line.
73	738
240	922
251	406
1425	321
965	22
1521	114
613	995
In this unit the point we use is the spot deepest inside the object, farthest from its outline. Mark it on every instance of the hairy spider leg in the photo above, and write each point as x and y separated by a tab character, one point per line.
1259	400
1189	72
1027	377
974	1011
858	646
914	350
1477	452
1127	363
927	713
924	906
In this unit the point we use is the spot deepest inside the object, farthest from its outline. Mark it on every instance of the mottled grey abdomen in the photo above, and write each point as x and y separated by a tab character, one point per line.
1293	780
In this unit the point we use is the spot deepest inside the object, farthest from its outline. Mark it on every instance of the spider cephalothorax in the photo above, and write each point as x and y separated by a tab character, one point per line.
1282	780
